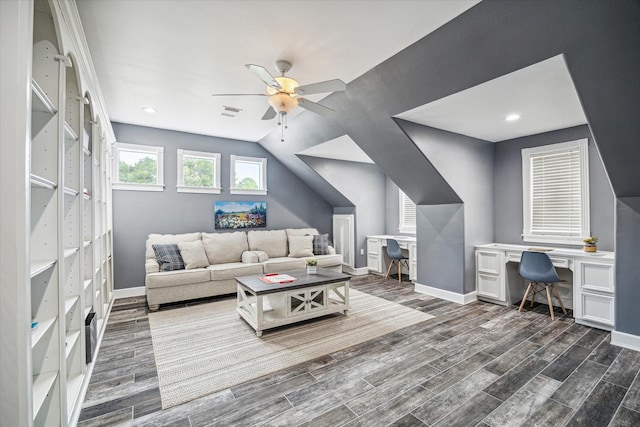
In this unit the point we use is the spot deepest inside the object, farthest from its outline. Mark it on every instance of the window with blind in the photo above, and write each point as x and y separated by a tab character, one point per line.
556	193
407	214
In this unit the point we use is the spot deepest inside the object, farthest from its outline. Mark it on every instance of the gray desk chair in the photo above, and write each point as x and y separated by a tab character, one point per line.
397	257
538	269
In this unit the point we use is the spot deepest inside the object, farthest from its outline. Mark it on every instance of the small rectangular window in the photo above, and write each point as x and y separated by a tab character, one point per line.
248	175
407	214
138	167
555	180
198	172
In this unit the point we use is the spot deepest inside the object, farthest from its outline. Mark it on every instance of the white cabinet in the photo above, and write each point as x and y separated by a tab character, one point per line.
590	279
594	293
374	255
490	275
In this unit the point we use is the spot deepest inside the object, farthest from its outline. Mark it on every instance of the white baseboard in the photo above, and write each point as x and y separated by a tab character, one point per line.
446	295
129	292
625	340
360	271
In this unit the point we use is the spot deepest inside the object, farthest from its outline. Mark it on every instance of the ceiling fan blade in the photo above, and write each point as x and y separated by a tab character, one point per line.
315	107
264	75
269	114
239	94
335	85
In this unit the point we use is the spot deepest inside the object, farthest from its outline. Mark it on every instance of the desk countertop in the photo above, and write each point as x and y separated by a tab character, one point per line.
400	238
574	253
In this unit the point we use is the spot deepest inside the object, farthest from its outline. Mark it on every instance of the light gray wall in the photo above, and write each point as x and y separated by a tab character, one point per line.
441	245
467	165
508	187
627	265
136	214
364	186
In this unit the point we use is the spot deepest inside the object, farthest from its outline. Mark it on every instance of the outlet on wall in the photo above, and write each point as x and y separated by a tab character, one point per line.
361	251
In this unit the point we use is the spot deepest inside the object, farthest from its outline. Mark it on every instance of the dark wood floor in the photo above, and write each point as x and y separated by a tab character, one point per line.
479	364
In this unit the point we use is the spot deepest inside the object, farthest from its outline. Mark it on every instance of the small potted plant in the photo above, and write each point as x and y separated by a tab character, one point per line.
312	263
590	244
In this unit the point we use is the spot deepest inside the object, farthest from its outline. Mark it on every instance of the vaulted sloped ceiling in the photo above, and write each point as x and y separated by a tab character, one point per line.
600	41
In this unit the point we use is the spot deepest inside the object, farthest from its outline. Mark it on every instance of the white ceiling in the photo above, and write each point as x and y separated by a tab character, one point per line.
543	94
340	148
174	54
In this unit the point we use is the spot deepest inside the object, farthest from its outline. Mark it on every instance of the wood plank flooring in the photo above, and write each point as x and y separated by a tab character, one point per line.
477	365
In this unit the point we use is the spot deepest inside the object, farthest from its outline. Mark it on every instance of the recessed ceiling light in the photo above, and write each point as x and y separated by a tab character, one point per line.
512	117
149	110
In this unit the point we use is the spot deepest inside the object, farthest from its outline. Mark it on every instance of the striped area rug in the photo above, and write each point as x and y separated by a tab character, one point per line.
205	348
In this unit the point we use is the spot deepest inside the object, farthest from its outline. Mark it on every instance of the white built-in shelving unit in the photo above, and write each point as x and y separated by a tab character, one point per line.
67	268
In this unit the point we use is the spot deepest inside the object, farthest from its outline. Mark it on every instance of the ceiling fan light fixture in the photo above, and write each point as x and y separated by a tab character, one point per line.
288	85
282	102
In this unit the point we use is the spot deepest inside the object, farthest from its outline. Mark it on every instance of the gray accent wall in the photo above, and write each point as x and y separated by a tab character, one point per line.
508	187
136	214
467	165
627	265
364	186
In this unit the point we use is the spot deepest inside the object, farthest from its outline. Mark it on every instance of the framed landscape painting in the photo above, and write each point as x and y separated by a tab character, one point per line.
240	215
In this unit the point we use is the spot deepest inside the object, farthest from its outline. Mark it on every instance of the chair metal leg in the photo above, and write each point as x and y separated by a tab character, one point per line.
389	270
557	295
550	303
524	298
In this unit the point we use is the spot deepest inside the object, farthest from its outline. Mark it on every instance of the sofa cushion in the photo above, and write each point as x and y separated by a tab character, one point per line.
300	246
321	244
177	278
193	254
224	247
160	239
301	231
168	257
233	269
273	242
250	257
328	260
278	265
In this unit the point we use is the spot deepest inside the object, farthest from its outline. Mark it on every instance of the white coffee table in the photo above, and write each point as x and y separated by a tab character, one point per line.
265	306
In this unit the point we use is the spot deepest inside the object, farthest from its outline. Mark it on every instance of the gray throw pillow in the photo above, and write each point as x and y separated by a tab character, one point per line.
321	244
168	257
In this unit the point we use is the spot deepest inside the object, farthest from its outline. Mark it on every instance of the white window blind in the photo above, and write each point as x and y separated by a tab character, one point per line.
556	193
407	214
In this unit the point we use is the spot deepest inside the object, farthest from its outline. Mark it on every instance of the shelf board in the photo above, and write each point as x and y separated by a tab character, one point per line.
86	196
69	133
86	151
74	384
70	251
70	192
42	385
87	310
43	327
38	267
41	101
69	303
70	341
87	243
87	283
40	182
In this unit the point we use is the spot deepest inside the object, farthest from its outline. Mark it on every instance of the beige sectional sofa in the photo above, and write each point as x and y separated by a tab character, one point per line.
228	255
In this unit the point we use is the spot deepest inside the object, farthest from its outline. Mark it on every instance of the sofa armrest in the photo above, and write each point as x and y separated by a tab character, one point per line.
151	266
332	251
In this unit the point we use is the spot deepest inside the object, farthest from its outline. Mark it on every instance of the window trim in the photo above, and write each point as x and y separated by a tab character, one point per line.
182	188
152	149
263	172
527	234
403	227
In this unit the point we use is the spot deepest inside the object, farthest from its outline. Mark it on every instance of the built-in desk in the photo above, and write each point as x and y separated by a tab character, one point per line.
589	288
377	260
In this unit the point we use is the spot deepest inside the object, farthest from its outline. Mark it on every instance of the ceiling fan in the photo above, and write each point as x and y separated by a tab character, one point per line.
285	94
